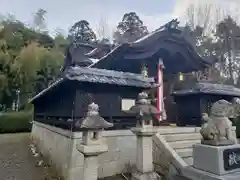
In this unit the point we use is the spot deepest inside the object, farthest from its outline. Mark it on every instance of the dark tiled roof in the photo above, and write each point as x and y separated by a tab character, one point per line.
210	88
183	56
94	75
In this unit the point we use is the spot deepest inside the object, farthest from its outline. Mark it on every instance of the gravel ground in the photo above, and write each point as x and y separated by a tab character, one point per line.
17	161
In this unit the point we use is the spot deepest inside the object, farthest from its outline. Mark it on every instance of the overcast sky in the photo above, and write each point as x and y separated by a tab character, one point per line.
63	13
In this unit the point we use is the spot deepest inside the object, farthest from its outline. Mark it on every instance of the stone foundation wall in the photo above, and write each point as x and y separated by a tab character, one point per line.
60	146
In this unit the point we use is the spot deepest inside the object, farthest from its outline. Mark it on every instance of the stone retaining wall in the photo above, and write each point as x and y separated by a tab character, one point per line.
60	146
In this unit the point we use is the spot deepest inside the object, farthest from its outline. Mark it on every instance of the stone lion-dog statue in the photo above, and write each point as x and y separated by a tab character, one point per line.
217	128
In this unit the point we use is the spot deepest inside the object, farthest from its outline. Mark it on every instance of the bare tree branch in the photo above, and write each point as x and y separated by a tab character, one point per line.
102	29
206	16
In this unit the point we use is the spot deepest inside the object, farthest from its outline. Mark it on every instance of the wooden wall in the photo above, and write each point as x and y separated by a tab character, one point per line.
56	107
109	98
70	101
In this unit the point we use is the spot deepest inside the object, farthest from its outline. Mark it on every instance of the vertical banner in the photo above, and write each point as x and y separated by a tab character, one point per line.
160	103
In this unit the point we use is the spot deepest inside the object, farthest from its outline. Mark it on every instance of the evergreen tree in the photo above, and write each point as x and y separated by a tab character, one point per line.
81	32
130	28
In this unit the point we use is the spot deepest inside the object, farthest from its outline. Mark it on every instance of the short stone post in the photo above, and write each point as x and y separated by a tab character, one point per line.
144	132
92	144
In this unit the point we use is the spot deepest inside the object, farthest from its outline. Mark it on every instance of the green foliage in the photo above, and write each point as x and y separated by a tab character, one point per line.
13	122
29	60
81	32
50	64
130	28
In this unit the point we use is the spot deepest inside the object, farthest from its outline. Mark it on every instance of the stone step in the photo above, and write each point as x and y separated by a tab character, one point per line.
182	137
184	153
183	144
177	130
189	160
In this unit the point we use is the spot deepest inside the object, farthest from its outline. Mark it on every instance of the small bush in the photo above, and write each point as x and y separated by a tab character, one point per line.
13	122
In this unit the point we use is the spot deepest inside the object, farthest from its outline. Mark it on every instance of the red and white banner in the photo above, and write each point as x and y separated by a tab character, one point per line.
160	103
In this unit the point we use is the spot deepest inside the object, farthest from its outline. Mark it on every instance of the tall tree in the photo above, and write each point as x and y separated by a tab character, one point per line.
25	67
81	32
18	35
27	58
130	28
201	23
39	20
227	35
51	62
6	80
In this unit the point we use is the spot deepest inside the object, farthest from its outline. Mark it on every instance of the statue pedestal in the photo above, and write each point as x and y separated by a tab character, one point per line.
144	154
225	142
214	162
91	153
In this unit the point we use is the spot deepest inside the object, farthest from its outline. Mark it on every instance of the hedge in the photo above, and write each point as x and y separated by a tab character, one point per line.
13	122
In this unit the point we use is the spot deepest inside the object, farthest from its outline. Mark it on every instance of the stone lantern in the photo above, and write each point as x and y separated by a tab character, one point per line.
144	131
144	111
92	145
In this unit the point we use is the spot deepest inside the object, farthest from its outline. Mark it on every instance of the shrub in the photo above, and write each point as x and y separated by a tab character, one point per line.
13	122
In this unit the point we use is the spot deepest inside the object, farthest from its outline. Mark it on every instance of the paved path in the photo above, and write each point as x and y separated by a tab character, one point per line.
17	161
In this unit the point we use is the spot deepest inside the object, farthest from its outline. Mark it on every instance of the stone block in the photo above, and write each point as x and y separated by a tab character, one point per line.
75	173
147	131
112	155
90	171
182	137
92	150
195	174
212	159
144	154
107	169
184	144
111	142
176	130
77	159
126	143
187	152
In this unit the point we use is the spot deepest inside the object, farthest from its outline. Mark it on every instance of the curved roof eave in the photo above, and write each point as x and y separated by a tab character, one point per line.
110	54
155	36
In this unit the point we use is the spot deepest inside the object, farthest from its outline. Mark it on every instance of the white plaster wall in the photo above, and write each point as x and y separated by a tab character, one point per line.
60	146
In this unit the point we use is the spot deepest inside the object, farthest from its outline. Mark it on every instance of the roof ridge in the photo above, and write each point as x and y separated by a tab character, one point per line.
105	72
